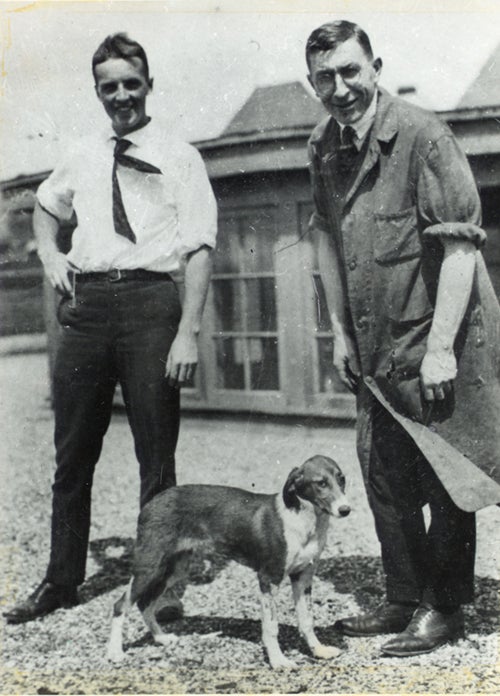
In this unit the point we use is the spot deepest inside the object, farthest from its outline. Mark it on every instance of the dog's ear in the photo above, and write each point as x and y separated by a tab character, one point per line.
290	488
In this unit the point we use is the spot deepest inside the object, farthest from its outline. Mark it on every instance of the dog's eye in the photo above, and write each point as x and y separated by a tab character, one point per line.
323	483
341	480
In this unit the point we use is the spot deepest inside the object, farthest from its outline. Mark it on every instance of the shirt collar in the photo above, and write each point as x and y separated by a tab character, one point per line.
147	139
137	137
363	125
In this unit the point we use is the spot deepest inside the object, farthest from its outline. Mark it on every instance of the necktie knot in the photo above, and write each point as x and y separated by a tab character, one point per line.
348	136
120	146
347	152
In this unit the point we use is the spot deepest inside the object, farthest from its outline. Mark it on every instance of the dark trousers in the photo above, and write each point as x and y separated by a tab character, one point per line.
434	565
112	332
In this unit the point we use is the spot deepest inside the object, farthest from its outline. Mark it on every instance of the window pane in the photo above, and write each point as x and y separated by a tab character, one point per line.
263	356
230	363
261	305
323	322
226	256
329	381
258	235
228	305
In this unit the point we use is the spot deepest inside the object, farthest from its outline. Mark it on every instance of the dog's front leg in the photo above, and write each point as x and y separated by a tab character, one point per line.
270	626
301	588
120	610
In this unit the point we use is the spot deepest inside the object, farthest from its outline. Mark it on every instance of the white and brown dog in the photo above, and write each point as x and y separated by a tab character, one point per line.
277	535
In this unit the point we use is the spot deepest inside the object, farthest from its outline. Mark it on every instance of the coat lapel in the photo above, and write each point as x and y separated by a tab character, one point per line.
384	129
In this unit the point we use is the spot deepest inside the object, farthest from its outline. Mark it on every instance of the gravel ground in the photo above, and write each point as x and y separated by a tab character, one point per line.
216	647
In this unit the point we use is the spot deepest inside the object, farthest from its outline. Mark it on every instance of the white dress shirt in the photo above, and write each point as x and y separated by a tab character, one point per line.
171	214
363	125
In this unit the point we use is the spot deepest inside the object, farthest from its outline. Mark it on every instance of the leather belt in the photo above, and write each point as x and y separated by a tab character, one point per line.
116	275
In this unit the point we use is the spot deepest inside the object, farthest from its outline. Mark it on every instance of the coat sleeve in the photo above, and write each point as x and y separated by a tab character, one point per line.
319	217
447	199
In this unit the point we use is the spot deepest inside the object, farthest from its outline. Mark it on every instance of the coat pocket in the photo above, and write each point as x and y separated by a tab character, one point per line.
402	289
396	237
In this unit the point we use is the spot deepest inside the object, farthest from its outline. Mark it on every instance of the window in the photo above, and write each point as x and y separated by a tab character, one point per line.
326	378
244	290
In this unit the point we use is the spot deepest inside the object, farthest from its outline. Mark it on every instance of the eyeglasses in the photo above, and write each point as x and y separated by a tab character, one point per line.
326	82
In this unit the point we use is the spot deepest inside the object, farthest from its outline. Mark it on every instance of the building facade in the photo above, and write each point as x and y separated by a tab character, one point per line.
265	344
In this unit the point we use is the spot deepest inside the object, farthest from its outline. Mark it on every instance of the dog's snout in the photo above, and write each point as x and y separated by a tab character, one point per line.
344	510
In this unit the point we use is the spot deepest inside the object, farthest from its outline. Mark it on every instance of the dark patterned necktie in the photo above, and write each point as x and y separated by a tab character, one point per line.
348	152
120	220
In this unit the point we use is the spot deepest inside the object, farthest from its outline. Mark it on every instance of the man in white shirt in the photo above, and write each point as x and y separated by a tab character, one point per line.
144	208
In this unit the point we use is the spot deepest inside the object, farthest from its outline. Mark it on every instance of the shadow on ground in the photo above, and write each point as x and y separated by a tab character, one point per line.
363	578
114	558
359	576
240	629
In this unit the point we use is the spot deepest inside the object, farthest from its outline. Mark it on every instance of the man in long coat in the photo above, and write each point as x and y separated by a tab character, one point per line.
416	329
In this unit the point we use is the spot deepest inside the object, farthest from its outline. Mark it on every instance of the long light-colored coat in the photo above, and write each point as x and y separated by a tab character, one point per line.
414	188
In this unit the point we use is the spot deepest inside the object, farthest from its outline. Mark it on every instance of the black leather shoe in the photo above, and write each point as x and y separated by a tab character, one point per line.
428	630
391	617
46	598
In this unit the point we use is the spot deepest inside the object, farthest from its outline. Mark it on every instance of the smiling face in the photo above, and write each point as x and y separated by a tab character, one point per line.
345	80
122	87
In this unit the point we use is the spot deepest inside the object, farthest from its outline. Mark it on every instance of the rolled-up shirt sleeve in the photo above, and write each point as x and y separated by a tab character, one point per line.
447	198
197	206
56	193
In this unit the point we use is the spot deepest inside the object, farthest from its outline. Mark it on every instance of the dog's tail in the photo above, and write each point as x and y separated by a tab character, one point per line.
120	609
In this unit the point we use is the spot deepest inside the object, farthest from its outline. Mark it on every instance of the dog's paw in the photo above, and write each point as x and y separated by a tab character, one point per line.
115	655
326	652
282	662
166	639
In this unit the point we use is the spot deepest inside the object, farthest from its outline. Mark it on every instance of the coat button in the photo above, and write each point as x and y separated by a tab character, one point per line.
353	264
361	322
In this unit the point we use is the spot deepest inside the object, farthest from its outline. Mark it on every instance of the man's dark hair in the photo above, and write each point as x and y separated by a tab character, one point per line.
120	46
328	36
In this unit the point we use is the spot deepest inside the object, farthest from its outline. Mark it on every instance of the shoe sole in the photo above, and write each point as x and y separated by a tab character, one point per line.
359	634
19	620
412	653
352	633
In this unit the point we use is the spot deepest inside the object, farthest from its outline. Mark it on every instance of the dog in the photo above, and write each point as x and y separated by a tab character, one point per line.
277	535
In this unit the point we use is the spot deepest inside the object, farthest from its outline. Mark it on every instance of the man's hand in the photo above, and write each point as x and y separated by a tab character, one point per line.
57	267
343	350
183	356
182	359
437	372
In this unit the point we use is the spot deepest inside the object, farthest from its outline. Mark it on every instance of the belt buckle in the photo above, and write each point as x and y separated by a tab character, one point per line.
114	274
